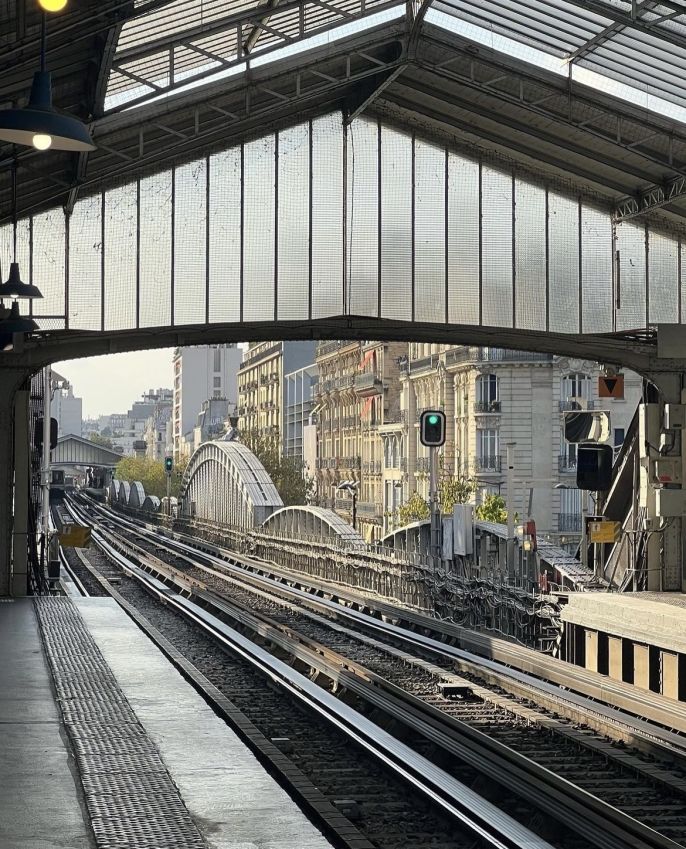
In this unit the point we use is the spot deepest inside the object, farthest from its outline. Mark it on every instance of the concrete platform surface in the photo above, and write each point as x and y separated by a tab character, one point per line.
235	803
40	798
658	619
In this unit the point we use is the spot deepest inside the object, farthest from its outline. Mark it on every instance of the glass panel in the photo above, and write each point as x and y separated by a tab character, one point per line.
190	193
155	253
429	245
121	221
596	271
463	240
258	232
563	263
363	217
663	273
85	271
530	257
496	247
294	223
631	245
48	262
327	216
225	235
396	225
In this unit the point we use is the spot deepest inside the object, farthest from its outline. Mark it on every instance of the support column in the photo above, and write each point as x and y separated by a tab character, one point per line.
411	452
10	381
591	654
22	486
614	652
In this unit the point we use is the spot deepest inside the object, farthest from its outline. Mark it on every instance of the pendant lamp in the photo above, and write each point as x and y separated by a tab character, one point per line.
39	123
16	323
14	287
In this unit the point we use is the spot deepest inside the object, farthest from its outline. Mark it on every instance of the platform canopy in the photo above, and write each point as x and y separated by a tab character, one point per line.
586	91
74	450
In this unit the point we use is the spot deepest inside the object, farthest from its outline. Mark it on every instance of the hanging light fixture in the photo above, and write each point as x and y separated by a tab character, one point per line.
16	323
39	123
14	287
52	5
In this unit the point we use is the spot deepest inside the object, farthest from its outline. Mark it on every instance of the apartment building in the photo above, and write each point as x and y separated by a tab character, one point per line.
201	373
493	397
267	391
357	394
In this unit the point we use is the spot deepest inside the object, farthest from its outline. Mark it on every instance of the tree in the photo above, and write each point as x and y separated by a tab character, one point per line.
285	472
146	470
452	491
99	439
493	509
413	510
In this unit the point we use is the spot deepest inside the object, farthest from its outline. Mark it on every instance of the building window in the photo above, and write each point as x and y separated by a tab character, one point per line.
576	385
487	446
487	394
217	359
217	382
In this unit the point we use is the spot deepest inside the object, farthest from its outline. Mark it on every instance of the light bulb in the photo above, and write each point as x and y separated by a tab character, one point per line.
42	141
52	5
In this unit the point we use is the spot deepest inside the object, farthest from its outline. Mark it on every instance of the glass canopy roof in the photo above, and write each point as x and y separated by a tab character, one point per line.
632	49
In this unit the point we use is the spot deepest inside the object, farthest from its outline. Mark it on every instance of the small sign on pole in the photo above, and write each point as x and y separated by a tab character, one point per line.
611	386
603	532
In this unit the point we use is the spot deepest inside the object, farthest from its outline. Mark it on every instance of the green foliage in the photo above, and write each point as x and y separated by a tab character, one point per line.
452	491
151	474
285	472
493	509
413	510
99	439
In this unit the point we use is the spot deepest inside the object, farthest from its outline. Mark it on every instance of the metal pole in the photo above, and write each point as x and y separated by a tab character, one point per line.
584	539
45	466
168	493
354	494
435	508
510	512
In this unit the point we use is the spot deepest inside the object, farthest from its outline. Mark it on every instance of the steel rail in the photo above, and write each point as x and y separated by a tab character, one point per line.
595	820
593	693
476	814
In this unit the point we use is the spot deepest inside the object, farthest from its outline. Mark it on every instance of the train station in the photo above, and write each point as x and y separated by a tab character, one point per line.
396	556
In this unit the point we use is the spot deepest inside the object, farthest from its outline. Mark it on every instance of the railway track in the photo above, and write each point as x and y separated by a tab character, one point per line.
515	752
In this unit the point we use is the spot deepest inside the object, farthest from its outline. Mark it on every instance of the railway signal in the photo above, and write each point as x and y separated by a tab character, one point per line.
432	428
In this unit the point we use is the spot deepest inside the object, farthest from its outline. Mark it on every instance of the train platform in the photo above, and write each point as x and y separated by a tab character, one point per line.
105	744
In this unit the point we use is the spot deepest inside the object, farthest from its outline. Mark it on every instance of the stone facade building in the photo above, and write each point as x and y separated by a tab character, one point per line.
358	392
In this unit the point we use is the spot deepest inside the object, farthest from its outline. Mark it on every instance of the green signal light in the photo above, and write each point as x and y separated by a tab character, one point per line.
433	420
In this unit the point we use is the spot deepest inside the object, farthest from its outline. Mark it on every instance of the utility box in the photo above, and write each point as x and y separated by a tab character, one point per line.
463	530
675	417
667	470
670	503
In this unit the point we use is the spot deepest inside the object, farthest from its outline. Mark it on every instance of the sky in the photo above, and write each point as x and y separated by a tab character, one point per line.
110	384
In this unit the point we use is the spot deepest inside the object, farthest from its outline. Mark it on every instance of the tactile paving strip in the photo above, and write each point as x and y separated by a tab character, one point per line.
131	798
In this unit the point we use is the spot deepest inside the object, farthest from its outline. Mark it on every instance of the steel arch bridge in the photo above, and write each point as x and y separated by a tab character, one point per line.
310	521
225	482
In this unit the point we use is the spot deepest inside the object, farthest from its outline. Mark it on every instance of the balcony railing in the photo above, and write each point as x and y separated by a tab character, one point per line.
487	407
575	404
251	360
569	523
566	464
368	508
487	463
372	467
423	464
473	354
368	384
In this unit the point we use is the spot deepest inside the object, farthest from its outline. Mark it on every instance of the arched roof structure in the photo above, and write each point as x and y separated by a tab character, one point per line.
136	495
311	521
124	494
225	483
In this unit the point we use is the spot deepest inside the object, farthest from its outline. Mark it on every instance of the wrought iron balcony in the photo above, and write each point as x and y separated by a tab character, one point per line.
576	403
487	463
487	407
569	523
367	385
423	464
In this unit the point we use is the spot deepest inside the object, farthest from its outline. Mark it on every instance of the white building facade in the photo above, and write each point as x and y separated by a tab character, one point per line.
201	373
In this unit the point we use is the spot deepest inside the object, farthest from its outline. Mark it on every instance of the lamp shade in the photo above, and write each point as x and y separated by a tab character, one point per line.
40	125
14	287
15	323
